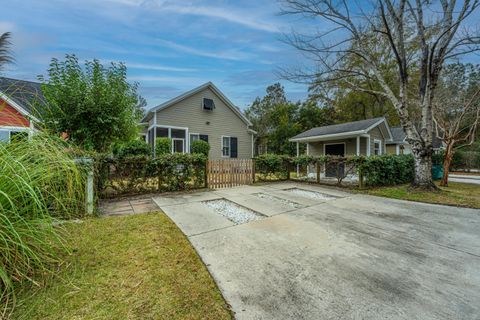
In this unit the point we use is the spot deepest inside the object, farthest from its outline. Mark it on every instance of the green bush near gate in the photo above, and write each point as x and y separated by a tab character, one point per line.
271	166
200	146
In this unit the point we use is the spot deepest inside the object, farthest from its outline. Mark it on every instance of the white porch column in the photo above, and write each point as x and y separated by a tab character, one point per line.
368	146
154	132
298	153
358	145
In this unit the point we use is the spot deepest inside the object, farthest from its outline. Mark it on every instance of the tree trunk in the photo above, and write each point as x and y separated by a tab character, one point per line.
423	171
447	160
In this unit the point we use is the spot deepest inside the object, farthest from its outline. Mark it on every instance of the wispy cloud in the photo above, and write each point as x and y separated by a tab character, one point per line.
228	14
229	54
158	67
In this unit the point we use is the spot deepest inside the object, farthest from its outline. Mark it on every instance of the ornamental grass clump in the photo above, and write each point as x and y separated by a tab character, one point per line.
39	183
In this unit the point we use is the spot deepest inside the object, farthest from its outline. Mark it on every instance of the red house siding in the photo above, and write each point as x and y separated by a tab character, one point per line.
9	116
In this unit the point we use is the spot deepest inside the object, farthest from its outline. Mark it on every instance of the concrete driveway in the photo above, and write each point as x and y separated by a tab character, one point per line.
340	257
464	178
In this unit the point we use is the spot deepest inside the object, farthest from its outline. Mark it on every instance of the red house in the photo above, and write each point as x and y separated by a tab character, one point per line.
18	102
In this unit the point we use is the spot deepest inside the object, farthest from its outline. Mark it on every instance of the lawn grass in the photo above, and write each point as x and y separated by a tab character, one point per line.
130	267
457	194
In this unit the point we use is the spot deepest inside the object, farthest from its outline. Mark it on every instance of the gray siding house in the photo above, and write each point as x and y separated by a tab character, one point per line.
203	113
365	137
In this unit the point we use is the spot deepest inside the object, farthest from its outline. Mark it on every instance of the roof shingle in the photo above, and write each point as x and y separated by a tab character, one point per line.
339	128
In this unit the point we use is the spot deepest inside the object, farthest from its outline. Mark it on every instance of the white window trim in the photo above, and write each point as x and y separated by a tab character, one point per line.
229	147
379	146
173	143
9	129
186	144
344	147
190	139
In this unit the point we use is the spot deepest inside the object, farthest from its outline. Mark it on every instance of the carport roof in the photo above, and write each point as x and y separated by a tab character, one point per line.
342	129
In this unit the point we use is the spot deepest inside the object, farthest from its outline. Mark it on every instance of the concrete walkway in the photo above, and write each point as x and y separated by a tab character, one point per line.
343	257
127	206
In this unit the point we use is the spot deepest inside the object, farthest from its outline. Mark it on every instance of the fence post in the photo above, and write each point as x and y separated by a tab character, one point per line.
361	182
253	170
318	171
206	174
89	165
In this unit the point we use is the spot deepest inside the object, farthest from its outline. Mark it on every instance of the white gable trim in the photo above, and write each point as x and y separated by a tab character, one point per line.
196	90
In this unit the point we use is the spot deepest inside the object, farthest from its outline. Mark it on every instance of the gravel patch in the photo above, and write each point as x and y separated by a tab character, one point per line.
288	203
310	194
232	211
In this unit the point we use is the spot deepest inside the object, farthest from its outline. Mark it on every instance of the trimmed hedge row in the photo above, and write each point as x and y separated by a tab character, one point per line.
377	170
134	175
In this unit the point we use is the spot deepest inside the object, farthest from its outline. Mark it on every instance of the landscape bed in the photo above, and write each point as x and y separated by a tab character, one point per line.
232	211
310	194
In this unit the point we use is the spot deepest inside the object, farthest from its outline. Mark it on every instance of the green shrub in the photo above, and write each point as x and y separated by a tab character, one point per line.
163	146
303	160
466	160
135	175
39	180
272	166
387	169
132	148
200	146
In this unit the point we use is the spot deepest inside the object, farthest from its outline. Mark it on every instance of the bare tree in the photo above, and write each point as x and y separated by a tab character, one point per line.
409	34
456	110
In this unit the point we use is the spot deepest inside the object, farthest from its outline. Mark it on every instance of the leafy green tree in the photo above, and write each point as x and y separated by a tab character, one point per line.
93	105
285	125
311	115
259	113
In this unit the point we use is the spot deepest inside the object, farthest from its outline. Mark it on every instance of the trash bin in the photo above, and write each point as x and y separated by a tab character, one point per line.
437	171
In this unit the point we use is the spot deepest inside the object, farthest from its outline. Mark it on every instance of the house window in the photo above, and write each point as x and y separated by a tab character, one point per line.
178	145
18	136
229	147
13	135
193	137
208	104
177	135
226	146
377	147
4	136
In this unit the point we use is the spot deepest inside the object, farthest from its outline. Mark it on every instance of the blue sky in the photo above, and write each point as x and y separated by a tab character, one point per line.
168	46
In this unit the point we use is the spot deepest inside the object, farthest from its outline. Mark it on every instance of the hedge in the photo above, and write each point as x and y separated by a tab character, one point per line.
377	170
387	170
135	175
131	149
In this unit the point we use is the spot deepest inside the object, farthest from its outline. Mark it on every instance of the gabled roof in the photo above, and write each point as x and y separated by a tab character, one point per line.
194	91
398	135
342	129
399	138
21	94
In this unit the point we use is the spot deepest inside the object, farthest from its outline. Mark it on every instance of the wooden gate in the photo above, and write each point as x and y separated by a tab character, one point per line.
227	173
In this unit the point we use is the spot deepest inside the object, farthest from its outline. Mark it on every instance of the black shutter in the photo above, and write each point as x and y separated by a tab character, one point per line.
233	147
204	137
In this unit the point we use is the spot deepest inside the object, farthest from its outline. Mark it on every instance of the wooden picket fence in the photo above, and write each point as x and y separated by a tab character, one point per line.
226	173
